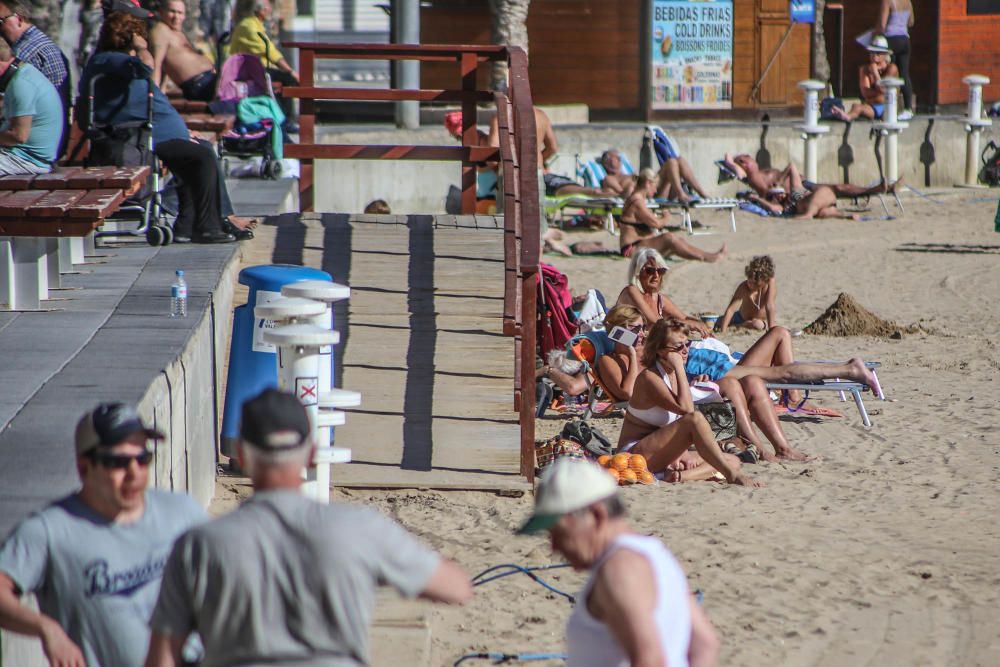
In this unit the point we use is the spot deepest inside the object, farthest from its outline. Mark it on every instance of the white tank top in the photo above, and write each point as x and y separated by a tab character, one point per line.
590	642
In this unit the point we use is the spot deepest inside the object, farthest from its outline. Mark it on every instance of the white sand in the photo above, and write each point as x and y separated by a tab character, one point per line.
886	551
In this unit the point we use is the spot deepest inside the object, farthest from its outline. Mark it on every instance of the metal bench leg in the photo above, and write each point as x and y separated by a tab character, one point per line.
861	407
53	279
29	273
687	221
732	219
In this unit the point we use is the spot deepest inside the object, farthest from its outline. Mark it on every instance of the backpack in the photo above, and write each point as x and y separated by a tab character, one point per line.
990	173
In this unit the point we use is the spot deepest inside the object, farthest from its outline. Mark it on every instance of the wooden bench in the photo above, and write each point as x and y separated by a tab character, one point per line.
44	219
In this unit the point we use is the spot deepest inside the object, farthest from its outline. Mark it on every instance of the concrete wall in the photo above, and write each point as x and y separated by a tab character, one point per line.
184	401
420	187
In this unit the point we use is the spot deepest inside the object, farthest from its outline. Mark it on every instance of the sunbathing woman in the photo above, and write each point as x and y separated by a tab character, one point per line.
661	421
641	229
618	369
647	272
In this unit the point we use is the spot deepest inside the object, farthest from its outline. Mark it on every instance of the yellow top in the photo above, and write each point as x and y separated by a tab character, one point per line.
246	39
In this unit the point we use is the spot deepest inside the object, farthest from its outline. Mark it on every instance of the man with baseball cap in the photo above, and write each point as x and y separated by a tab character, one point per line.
284	579
635	608
95	557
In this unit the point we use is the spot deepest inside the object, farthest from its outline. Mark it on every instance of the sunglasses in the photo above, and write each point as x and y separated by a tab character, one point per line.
678	348
639	328
120	461
649	270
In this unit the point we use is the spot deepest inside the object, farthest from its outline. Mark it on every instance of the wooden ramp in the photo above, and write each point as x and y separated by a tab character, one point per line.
421	339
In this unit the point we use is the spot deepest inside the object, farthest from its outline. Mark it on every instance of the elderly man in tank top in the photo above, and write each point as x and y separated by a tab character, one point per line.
635	609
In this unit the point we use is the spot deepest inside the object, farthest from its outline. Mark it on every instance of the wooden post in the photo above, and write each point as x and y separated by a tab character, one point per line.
470	135
307	129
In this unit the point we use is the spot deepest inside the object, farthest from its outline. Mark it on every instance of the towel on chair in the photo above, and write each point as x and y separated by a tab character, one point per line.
253	109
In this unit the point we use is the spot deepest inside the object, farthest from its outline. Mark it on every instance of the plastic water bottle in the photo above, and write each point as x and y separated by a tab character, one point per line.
178	301
180	282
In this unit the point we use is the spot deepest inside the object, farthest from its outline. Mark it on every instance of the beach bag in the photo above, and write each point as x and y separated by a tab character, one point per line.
717	410
990	173
588	436
550	451
827	105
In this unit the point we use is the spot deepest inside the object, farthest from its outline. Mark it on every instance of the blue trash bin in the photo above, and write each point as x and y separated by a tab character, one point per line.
253	366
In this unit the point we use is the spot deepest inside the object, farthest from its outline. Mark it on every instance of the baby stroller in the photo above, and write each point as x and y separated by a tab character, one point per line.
242	76
129	145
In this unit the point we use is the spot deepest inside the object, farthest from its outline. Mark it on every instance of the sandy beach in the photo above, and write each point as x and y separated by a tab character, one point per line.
885	549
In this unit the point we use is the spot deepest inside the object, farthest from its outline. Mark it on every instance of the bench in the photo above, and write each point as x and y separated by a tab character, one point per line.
44	219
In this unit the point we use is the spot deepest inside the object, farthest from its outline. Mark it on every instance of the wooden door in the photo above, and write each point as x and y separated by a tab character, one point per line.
772	23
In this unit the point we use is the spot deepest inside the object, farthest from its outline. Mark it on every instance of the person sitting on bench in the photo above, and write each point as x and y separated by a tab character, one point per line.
33	123
174	56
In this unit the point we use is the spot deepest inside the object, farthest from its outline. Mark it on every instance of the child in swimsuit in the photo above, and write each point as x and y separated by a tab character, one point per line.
753	303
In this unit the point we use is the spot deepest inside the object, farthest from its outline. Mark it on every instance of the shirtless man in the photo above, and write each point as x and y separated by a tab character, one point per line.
175	57
869	76
746	169
674	173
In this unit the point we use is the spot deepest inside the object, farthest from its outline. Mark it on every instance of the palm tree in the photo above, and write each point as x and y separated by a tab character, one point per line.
510	26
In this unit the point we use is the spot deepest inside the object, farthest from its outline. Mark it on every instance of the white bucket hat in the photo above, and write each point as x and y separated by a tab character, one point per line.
566	486
879	45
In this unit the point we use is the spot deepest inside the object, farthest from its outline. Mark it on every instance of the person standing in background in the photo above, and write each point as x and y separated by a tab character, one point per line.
894	21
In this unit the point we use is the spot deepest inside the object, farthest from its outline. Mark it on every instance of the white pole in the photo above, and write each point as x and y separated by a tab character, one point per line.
891	127
811	128
974	124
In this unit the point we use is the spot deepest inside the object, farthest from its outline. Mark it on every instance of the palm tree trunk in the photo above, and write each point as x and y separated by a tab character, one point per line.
510	27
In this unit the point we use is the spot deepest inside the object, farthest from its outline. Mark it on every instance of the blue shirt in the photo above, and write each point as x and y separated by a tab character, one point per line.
29	93
120	96
36	48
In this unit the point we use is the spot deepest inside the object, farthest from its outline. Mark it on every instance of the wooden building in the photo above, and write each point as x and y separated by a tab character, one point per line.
596	52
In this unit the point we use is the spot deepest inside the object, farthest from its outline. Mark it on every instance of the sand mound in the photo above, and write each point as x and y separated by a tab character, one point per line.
846	317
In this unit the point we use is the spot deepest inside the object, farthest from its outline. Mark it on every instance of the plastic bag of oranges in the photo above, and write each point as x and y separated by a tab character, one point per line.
627	469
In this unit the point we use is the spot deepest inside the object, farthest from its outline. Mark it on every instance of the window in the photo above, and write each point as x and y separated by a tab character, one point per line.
982	7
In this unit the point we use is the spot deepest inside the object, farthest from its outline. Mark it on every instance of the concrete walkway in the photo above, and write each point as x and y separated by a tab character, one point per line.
421	340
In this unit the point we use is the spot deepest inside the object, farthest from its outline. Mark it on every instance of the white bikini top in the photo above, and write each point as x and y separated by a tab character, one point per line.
655	416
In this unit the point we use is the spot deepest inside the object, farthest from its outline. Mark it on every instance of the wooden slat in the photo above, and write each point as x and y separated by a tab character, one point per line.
361	151
55	203
91	177
14	204
387	95
126	178
46	227
209	123
18	182
55	180
96	204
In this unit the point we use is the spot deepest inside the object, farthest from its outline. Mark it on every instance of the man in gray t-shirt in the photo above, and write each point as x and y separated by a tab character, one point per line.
283	579
95	558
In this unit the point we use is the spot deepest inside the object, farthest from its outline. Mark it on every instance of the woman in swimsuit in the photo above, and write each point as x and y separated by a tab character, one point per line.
647	272
661	421
618	369
641	229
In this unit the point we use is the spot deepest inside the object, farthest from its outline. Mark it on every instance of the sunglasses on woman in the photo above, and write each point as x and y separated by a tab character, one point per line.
677	348
120	461
649	270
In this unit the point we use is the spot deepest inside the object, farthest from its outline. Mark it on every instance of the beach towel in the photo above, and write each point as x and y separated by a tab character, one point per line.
255	109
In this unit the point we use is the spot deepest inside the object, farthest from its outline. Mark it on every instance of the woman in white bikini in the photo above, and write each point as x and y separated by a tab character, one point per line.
661	421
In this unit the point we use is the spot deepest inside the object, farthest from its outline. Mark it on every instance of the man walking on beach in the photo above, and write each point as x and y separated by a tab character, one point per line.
284	579
95	557
635	608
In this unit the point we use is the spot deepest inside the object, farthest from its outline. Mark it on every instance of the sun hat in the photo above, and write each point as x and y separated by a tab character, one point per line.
566	486
274	420
879	45
109	424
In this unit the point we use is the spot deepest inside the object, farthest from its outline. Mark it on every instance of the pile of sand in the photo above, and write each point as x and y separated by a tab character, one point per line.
847	317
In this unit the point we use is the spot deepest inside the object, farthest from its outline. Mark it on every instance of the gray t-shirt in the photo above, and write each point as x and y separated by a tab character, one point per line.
97	578
286	580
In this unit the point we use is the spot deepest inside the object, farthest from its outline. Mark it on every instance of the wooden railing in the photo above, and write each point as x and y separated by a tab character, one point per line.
517	157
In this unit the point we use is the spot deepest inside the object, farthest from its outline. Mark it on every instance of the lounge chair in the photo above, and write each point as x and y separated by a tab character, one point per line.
587	348
842	387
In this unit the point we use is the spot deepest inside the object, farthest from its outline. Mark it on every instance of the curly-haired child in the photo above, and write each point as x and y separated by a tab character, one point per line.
753	302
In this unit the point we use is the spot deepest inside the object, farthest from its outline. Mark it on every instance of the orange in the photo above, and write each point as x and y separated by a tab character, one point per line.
629	477
647	477
637	462
614	473
604	460
620	461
